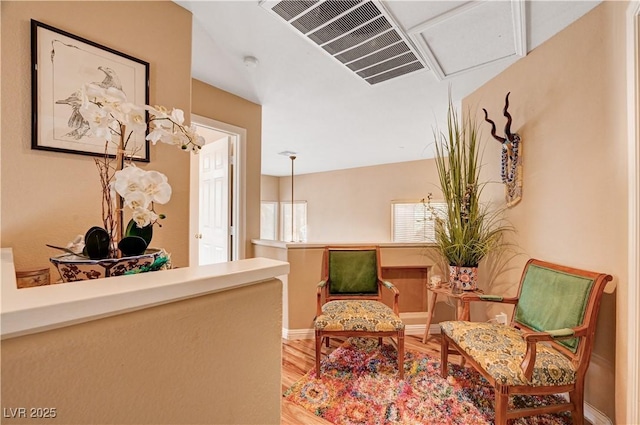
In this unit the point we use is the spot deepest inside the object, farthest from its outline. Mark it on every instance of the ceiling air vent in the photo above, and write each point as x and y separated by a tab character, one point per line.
357	33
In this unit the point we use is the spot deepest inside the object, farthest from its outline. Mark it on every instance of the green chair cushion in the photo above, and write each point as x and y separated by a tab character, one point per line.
353	272
358	315
551	299
500	349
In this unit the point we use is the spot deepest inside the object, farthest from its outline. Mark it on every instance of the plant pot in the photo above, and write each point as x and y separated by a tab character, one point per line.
73	268
464	278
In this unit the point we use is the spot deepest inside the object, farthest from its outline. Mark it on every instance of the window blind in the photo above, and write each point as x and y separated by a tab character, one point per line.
300	221
414	221
268	220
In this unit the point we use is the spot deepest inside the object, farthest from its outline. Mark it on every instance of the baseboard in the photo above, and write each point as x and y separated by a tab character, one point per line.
414	329
435	329
591	414
595	417
293	334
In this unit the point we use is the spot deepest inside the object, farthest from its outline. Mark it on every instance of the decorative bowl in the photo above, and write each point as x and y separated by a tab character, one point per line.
73	268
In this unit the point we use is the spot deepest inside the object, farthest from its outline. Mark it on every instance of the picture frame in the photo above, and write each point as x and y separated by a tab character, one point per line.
61	64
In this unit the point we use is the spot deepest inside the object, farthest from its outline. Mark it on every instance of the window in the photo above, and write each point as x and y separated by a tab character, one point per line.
268	220
413	221
300	221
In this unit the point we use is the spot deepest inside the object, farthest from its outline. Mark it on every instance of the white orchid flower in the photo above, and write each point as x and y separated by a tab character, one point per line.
167	137
93	93
144	217
137	199
134	117
160	117
156	187
158	111
116	115
192	134
179	139
156	134
177	116
98	120
115	96
132	182
104	96
128	180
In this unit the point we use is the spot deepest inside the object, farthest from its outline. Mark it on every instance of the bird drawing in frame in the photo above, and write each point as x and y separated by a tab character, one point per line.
76	122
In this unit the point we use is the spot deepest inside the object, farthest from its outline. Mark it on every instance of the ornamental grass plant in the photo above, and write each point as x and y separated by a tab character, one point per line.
469	229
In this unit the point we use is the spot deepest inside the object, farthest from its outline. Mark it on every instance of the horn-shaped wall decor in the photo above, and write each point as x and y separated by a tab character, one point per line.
511	167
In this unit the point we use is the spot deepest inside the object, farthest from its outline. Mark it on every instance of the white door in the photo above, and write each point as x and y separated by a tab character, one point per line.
216	194
213	243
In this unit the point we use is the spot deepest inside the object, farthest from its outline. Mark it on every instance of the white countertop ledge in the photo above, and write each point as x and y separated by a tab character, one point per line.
31	310
308	245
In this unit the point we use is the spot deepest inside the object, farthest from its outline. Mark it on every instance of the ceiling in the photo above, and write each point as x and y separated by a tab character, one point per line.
332	118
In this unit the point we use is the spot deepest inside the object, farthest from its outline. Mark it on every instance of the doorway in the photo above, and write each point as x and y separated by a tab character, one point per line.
216	198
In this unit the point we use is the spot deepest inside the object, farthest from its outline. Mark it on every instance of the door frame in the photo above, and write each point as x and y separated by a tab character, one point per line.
238	190
632	414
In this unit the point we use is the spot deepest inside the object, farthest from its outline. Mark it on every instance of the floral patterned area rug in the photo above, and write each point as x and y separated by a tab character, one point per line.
359	386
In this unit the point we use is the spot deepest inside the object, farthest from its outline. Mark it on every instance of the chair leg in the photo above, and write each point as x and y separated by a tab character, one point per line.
400	354
432	306
318	352
577	399
444	356
327	341
379	341
501	404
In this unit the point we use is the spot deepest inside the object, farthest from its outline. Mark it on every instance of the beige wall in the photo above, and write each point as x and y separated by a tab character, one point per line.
568	105
219	105
50	197
270	188
354	205
205	360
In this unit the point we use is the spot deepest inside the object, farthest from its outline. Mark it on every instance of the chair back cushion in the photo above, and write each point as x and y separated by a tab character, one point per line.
552	299
353	272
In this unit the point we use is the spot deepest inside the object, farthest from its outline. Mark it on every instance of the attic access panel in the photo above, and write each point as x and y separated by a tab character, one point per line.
472	35
357	33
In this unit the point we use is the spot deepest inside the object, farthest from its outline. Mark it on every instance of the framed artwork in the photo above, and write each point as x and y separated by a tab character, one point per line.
61	64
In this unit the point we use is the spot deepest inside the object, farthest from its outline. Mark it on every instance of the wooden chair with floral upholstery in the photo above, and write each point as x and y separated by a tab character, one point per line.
547	346
349	300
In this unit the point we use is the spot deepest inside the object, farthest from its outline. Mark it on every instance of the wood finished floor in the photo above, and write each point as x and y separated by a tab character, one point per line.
298	358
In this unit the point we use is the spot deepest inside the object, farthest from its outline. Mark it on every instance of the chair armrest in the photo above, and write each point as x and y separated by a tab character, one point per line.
396	294
390	286
532	338
488	298
552	335
561	333
320	286
468	298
